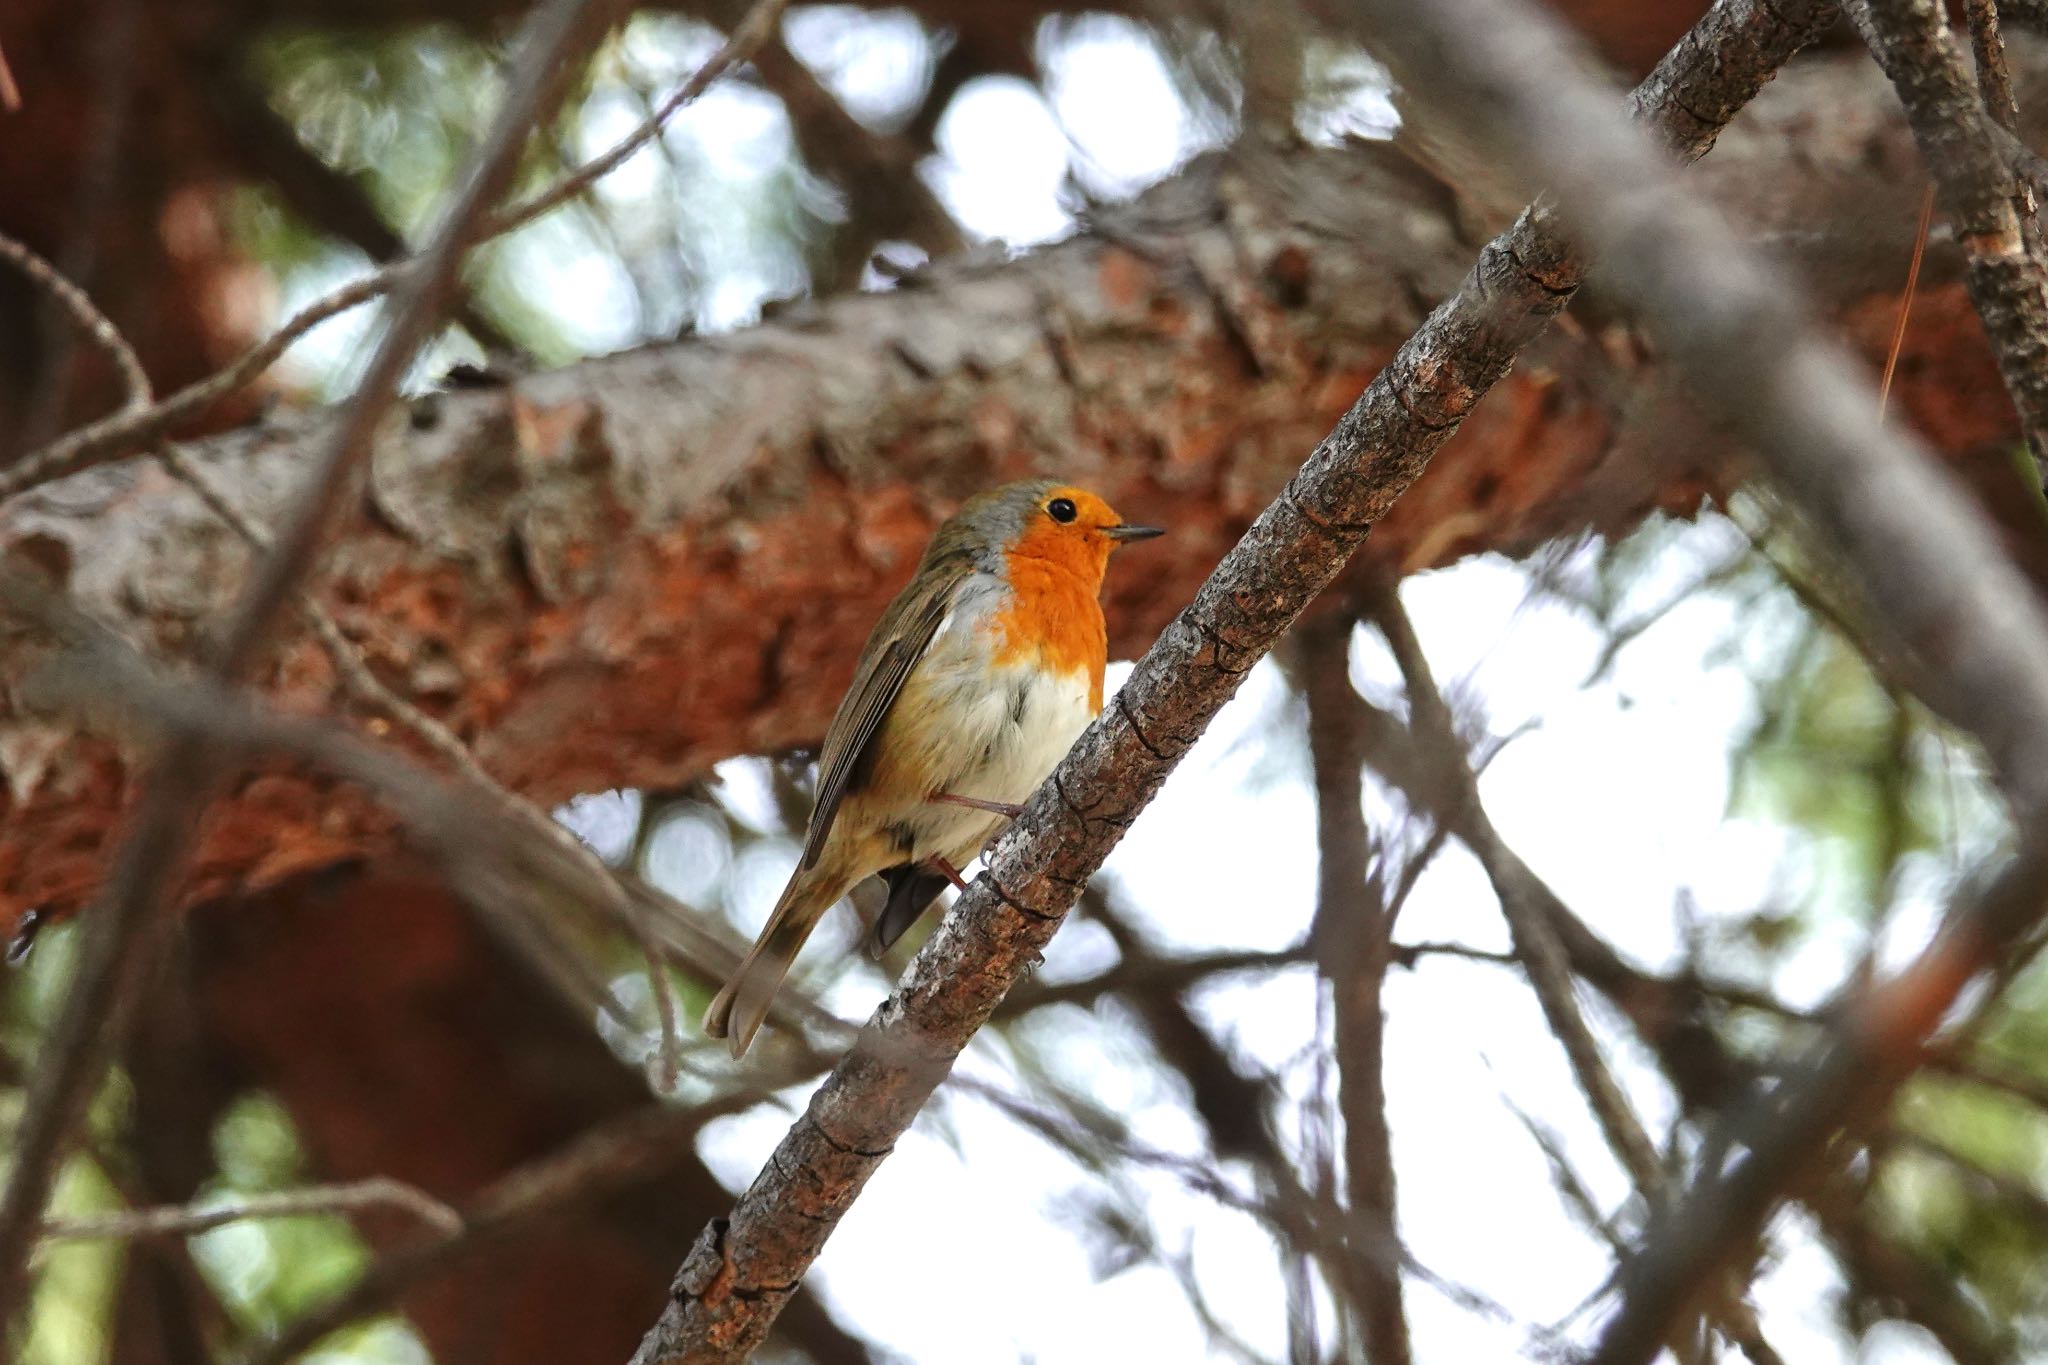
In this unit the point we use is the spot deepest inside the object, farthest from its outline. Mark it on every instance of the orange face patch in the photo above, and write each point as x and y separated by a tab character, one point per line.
1055	570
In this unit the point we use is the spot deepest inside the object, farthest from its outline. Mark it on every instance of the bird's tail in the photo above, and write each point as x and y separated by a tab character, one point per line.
912	889
737	1011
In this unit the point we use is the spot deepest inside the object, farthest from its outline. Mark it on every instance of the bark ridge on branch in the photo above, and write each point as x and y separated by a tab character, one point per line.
744	1268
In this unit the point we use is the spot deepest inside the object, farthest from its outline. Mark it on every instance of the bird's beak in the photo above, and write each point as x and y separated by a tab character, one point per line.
1128	532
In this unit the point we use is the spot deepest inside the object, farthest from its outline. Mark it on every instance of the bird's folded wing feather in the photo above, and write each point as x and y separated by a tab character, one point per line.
900	639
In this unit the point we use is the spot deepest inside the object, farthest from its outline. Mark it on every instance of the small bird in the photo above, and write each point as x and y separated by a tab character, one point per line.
973	685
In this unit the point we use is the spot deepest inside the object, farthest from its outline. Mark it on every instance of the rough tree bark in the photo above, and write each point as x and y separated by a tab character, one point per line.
619	573
131	136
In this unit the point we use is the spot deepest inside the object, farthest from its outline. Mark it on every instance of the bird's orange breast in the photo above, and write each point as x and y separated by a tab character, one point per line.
1054	618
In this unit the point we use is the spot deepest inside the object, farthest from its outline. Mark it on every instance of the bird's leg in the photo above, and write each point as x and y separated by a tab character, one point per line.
952	873
1008	810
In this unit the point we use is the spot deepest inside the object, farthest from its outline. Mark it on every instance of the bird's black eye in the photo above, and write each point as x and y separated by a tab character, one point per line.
1061	509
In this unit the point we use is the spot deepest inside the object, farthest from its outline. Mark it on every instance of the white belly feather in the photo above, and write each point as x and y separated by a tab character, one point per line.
1003	735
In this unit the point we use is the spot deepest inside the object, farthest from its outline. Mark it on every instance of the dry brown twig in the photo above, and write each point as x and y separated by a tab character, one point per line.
1994	81
121	931
10	93
1898	341
125	432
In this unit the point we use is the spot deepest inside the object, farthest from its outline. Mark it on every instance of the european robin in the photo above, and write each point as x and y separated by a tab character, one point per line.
974	684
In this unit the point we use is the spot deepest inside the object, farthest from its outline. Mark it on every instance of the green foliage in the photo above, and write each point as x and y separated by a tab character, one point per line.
1964	1196
1834	756
270	1271
695	232
72	1312
393	110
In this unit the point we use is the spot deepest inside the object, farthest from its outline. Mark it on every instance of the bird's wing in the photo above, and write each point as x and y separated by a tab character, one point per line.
899	640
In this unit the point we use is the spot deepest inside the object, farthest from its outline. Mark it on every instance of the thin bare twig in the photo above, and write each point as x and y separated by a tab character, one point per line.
89	318
123	433
1153	973
742	1270
121	931
1539	949
668	1056
182	1220
1092	1137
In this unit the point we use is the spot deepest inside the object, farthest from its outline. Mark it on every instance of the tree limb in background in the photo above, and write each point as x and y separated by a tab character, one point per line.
1919	548
886	199
743	1269
1235	1110
115	42
794	469
1535	938
1987	205
1352	932
1666	1012
122	931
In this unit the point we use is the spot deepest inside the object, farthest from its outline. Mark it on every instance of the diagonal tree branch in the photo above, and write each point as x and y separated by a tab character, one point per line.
124	927
87	316
743	1269
1958	140
1915	543
328	198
